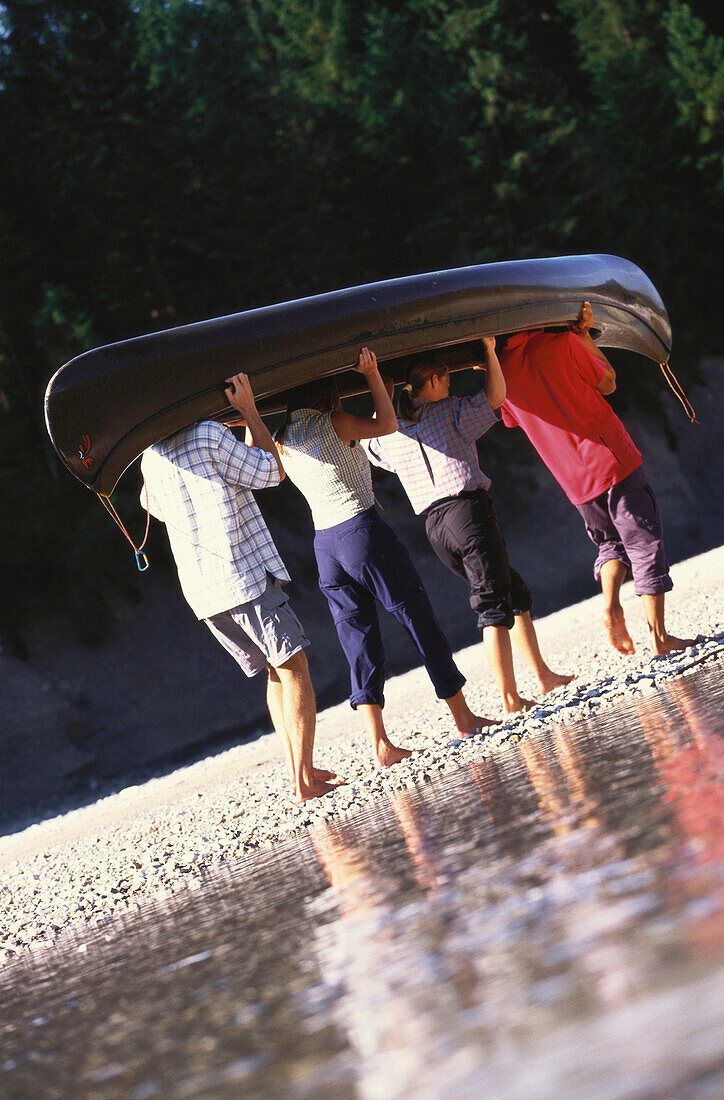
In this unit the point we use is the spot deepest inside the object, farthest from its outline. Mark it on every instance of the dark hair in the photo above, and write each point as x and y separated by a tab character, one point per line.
322	395
418	374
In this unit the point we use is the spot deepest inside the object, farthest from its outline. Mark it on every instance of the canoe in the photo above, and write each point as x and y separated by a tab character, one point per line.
104	407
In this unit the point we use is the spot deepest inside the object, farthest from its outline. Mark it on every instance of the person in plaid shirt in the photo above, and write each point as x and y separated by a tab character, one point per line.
200	484
435	456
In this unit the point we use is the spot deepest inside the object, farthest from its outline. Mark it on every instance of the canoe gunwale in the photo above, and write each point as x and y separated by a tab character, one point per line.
104	390
498	331
264	399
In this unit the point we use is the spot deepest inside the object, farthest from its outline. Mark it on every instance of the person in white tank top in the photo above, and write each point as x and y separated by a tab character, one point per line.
361	561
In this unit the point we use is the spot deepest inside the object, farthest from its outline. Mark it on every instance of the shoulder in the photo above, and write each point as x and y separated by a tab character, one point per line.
454	406
208	441
329	427
202	434
543	352
435	416
306	422
434	411
210	432
590	365
406	429
196	436
571	344
474	408
550	343
210	445
569	340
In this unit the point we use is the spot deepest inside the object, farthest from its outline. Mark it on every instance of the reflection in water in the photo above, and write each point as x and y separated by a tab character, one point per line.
395	988
691	765
545	922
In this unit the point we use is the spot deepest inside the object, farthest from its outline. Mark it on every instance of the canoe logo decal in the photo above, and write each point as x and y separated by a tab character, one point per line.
84	447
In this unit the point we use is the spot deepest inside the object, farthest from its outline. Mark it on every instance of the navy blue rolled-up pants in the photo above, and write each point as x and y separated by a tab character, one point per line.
361	563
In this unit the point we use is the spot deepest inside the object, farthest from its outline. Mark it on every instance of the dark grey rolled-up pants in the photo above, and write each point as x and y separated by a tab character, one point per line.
624	523
464	533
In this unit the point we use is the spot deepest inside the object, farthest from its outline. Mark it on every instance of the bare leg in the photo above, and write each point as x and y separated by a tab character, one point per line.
613	574
298	718
525	640
276	712
662	641
385	752
465	721
496	641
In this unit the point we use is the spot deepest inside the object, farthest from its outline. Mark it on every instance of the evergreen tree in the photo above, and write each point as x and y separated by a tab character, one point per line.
169	160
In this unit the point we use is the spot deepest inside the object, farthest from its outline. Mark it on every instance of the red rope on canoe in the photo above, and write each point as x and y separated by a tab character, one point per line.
676	389
141	558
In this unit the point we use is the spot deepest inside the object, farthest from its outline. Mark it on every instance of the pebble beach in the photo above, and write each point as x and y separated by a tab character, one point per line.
148	842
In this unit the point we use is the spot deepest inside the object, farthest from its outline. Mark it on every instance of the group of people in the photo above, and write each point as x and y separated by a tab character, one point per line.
200	484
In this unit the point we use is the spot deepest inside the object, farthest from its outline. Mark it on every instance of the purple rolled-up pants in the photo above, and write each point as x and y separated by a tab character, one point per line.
624	523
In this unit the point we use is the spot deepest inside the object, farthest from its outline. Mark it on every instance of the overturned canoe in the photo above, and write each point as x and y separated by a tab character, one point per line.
104	407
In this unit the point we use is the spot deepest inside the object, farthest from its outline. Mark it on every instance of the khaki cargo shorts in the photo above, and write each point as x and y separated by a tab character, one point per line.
265	630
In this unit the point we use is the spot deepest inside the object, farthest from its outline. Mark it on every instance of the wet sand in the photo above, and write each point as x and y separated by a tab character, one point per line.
153	840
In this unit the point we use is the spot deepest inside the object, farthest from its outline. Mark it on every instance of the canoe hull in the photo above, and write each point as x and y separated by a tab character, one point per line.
104	407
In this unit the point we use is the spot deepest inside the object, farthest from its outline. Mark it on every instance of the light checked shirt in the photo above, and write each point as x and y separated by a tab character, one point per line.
199	484
335	478
437	457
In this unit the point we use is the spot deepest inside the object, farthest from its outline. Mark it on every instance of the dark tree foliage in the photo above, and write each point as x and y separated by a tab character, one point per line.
171	160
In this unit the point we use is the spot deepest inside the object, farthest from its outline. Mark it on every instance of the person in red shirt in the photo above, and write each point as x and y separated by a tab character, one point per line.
555	387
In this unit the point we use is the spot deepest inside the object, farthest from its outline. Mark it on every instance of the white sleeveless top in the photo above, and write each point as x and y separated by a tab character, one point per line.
335	479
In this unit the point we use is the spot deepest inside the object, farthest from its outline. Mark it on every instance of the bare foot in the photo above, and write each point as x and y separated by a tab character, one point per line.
549	681
618	634
389	754
465	721
669	644
320	774
325	776
515	703
314	789
480	725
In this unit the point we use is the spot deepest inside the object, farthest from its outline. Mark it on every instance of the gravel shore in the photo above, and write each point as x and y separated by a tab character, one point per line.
150	841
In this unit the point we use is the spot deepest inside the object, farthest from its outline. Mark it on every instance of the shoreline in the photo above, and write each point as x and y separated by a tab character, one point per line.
147	842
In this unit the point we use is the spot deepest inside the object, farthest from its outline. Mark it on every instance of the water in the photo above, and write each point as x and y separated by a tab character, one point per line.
546	923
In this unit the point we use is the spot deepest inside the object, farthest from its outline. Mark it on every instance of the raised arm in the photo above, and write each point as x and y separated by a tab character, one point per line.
384	422
581	327
240	397
495	382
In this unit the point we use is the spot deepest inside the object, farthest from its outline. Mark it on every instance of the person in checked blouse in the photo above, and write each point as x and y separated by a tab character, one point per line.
435	456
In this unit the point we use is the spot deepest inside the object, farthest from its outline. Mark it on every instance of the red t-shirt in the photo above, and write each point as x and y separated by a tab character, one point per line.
551	380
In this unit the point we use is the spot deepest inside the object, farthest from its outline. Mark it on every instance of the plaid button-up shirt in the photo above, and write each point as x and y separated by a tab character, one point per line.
437	456
199	484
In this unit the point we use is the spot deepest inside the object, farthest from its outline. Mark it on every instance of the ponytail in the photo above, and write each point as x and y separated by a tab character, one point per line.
405	408
418	375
